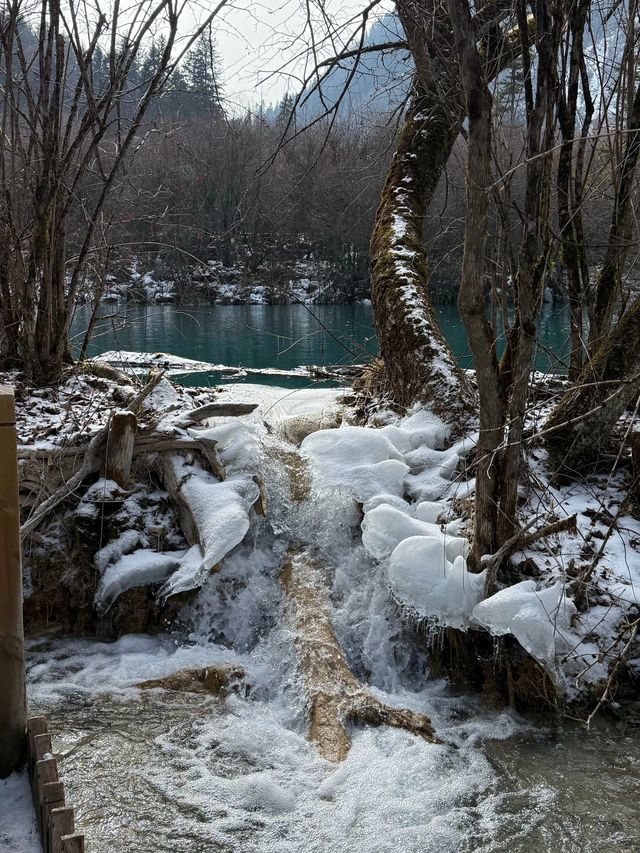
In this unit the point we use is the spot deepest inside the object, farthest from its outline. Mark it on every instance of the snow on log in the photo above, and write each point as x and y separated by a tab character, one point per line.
215	410
335	695
214	517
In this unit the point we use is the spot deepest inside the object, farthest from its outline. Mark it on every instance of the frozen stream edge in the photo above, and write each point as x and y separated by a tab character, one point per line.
159	771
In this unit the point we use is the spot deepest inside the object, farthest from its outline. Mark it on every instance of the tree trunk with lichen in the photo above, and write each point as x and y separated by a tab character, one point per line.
419	364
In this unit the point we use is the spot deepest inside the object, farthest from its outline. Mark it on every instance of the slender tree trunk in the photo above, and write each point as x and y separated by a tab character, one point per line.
471	299
581	425
609	277
570	184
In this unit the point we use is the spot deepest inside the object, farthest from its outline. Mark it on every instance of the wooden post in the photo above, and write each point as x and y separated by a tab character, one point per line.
13	706
61	823
52	798
120	442
35	726
73	843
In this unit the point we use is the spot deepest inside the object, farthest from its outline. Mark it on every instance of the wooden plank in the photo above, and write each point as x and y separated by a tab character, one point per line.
13	706
42	746
73	844
53	792
35	726
46	771
61	823
53	798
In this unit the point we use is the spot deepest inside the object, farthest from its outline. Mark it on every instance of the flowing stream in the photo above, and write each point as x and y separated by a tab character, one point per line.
152	771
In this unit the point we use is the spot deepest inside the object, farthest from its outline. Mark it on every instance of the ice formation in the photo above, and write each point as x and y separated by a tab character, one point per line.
360	461
436	588
424	558
138	569
535	617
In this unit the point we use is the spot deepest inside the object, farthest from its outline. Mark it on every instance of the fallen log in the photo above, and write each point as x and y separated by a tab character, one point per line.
162	443
216	410
336	697
211	679
173	486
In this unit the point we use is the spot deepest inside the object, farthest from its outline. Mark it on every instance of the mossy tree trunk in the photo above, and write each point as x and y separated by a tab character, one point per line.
419	364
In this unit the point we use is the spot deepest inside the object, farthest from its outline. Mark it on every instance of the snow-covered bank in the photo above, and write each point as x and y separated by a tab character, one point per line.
213	283
18	828
173	365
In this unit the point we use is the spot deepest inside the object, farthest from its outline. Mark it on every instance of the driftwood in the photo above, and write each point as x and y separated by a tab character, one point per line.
210	679
173	486
335	695
121	439
216	410
91	463
162	443
261	504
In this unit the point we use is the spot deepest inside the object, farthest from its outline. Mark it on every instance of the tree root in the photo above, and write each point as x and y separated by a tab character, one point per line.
336	697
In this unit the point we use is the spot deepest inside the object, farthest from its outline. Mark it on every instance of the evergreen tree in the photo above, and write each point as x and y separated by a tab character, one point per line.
201	73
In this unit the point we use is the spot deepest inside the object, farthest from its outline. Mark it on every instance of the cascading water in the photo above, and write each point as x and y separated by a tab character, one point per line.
168	771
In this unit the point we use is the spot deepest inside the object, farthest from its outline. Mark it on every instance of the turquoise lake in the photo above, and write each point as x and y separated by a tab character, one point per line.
283	336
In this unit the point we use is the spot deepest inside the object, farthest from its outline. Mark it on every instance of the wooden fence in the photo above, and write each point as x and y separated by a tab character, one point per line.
56	821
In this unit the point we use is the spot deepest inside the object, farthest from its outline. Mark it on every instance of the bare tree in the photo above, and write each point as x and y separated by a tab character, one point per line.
71	114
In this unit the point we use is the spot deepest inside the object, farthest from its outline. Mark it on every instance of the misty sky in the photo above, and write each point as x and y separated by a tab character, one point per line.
264	46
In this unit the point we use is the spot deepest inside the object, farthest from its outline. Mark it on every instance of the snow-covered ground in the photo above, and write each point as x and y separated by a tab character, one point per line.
212	282
18	828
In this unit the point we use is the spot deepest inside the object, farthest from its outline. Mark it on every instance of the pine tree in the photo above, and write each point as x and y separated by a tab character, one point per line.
201	72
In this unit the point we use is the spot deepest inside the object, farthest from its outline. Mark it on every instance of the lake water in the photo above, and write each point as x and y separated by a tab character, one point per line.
284	336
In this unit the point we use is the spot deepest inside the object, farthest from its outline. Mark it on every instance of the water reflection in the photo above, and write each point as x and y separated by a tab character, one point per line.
283	336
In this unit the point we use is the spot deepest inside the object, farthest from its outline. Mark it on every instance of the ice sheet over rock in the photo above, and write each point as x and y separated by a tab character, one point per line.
422	578
537	618
361	461
385	526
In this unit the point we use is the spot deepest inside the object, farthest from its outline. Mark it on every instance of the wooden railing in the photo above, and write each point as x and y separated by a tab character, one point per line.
56	820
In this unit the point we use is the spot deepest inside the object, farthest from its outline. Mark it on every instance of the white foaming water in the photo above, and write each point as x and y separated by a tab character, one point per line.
157	771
